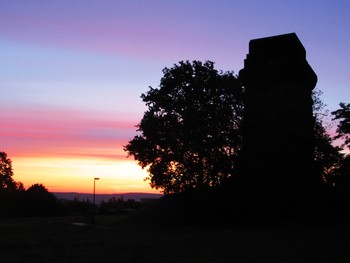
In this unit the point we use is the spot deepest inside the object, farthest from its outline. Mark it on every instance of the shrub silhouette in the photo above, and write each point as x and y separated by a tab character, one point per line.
39	202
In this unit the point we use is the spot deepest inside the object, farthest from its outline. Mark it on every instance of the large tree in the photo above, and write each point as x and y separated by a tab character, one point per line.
190	135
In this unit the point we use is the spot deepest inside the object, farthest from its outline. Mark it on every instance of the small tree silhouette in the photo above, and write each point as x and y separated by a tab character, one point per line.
6	181
40	202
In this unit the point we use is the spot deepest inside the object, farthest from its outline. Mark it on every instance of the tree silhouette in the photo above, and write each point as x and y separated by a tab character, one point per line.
40	202
37	188
343	116
6	181
341	175
190	135
328	157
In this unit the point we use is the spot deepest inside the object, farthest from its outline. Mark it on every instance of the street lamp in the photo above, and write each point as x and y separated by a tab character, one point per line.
93	203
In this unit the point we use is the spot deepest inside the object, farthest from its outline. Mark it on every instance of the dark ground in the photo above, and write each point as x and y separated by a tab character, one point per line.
57	239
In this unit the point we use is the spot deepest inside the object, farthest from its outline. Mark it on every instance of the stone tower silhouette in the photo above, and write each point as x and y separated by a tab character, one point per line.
278	147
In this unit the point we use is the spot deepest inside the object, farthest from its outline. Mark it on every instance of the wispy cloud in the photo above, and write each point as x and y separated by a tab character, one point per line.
47	132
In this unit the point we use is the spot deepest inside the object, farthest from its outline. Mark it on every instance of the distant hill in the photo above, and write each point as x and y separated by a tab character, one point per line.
105	197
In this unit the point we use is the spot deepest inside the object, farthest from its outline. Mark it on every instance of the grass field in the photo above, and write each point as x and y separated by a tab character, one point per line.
114	240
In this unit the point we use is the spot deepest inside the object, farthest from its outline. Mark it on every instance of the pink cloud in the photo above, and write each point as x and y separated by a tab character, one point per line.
48	132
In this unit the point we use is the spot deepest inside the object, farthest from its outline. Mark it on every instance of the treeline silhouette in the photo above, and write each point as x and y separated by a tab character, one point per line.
113	206
35	201
17	201
38	201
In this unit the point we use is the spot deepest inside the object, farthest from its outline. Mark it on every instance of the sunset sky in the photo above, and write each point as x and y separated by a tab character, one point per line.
72	72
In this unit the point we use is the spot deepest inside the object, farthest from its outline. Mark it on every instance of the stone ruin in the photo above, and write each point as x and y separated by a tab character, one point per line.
278	146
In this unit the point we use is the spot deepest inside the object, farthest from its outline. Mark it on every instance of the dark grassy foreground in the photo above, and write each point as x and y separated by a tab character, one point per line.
115	240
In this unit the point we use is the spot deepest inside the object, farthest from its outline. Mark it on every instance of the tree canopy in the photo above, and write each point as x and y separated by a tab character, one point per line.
190	136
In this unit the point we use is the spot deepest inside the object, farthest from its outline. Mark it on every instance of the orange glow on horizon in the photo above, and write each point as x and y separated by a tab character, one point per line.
77	174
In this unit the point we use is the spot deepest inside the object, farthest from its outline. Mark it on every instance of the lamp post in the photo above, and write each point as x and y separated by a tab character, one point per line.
93	202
